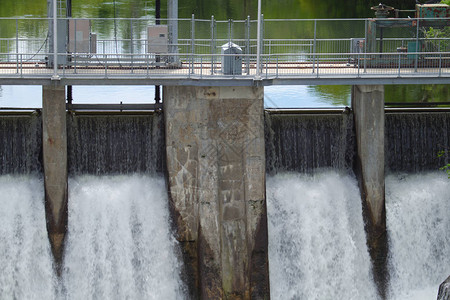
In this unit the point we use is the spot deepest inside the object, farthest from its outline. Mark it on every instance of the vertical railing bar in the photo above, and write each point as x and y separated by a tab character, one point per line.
17	40
106	64
212	45
417	46
247	46
359	63
317	66
267	65
55	41
147	59
131	45
201	67
440	63
21	65
277	67
192	42
314	44
365	45
75	46
399	63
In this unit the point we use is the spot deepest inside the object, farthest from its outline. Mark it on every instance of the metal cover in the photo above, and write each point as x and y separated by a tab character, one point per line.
157	36
79	36
432	11
231	64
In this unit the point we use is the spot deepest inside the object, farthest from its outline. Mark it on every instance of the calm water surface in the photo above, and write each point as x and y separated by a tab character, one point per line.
279	96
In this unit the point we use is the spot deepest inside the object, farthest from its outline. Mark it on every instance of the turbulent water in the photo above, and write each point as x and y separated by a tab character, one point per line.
119	243
317	244
418	220
25	257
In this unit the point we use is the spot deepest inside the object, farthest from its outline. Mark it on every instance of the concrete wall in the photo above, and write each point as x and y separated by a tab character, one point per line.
368	109
54	147
216	175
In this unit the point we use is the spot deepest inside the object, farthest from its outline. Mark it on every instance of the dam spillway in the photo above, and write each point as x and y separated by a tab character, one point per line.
324	136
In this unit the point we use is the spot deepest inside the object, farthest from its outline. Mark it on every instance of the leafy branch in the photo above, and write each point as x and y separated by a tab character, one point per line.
445	168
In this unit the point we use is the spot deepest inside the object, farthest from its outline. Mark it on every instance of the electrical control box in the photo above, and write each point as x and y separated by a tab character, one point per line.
157	38
80	38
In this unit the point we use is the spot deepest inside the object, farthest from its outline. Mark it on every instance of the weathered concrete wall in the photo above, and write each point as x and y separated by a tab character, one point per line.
368	108
54	147
216	172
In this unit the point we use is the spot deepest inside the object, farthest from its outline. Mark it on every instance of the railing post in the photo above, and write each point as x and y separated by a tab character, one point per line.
75	47
399	63
247	46
229	32
106	65
277	67
21	65
365	45
55	43
258	46
192	42
417	46
213	45
131	44
440	63
17	39
314	45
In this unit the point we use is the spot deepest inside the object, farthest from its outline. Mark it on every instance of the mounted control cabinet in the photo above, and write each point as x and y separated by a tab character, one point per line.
157	38
231	59
80	38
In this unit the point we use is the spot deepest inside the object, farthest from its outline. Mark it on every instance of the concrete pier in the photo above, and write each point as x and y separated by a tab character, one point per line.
216	175
368	107
54	144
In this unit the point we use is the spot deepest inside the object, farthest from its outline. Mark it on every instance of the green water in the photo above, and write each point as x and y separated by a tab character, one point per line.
237	10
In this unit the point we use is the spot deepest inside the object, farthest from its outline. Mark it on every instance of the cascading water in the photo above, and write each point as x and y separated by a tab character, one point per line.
25	256
119	244
317	243
418	222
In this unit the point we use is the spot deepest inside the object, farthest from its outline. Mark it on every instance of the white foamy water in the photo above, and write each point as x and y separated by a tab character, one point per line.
317	243
26	270
119	243
418	222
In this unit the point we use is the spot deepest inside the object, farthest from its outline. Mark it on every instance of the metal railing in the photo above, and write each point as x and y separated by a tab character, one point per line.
323	48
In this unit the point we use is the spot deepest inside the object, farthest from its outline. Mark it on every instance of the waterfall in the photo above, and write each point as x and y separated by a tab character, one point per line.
115	144
25	256
20	149
413	141
317	243
305	142
119	243
418	222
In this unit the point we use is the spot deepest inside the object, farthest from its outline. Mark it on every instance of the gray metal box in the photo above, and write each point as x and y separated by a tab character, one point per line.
61	40
231	59
157	36
79	36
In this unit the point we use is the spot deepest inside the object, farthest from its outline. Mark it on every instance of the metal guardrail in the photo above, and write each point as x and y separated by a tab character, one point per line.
322	48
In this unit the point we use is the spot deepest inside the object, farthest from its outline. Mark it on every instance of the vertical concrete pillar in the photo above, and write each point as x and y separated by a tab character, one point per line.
368	107
55	166
216	174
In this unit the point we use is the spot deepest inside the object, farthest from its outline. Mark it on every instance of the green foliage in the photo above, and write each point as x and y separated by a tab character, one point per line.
445	168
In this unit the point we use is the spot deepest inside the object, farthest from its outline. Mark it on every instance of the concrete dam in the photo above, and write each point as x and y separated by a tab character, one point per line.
214	197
